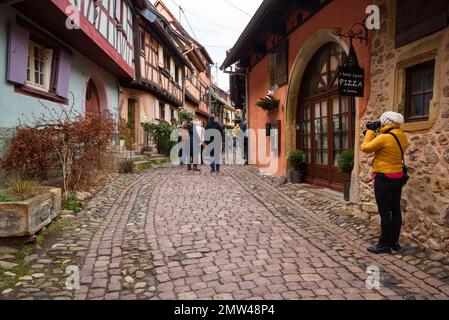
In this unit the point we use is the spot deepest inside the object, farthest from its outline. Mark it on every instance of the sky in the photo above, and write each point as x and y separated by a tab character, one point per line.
216	24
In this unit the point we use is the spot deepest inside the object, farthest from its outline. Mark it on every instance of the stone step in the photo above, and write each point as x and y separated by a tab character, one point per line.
142	165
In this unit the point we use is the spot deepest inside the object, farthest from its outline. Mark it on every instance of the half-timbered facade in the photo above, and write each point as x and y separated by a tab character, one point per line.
64	52
157	90
198	79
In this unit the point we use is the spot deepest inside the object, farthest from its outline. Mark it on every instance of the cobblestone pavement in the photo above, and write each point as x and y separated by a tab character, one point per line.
172	234
329	205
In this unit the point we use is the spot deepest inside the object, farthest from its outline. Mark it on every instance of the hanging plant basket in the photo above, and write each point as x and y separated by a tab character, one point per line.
268	104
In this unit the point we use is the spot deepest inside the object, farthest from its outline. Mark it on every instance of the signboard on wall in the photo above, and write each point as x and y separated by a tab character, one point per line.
351	81
274	132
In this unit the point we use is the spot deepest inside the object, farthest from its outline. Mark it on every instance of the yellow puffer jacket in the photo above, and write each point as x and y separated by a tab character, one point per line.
388	158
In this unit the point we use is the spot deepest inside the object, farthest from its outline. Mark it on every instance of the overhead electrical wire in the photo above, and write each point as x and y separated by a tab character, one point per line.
237	8
211	22
188	22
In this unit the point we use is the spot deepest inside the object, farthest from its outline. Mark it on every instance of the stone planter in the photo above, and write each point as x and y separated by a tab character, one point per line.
25	218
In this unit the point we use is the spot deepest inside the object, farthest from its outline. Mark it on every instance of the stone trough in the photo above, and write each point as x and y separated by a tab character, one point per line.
26	218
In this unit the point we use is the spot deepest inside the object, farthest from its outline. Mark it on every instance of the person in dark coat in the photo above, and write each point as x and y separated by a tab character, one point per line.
214	124
193	139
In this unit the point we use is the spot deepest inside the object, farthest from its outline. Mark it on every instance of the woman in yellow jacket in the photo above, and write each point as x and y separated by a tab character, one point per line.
388	176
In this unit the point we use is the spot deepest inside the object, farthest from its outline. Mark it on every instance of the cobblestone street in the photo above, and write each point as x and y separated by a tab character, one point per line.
172	234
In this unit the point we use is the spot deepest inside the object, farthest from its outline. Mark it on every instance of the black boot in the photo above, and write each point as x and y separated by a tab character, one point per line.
379	249
396	247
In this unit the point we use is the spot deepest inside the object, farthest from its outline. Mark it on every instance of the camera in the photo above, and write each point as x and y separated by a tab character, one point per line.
374	125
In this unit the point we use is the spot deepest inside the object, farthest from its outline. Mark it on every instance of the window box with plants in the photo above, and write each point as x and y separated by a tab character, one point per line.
26	208
345	164
296	159
268	103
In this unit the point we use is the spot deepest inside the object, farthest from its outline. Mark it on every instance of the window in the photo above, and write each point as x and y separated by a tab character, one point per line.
161	111
205	96
166	61
419	91
323	71
37	75
37	64
279	65
177	74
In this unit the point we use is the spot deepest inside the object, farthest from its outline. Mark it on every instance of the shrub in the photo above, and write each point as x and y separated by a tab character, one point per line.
126	166
185	116
296	158
161	134
345	161
70	202
60	143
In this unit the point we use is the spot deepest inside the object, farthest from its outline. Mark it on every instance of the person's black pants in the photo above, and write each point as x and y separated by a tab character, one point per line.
388	197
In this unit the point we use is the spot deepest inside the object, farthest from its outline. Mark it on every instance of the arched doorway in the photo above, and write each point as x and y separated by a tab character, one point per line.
132	114
92	106
326	121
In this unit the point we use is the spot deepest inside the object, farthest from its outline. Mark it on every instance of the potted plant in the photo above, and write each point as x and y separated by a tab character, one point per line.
345	164
296	159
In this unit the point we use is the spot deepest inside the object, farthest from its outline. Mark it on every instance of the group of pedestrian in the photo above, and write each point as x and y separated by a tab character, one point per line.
195	131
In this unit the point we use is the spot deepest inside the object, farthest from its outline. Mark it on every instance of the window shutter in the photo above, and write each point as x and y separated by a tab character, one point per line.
282	65
63	76
416	19
18	47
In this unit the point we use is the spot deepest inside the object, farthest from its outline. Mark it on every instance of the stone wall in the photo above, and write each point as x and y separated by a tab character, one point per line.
426	197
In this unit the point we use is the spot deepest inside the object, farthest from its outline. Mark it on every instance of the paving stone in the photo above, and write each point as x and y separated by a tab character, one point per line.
153	236
7	265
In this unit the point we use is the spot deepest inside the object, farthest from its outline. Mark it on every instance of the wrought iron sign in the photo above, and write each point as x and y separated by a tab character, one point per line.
351	77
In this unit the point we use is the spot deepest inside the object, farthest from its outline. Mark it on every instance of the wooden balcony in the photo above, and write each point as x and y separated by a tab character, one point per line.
159	82
192	90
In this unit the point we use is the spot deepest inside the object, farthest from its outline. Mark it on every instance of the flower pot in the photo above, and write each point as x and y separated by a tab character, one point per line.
347	189
26	218
297	177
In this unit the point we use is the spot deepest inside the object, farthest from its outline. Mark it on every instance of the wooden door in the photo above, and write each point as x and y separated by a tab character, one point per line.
92	106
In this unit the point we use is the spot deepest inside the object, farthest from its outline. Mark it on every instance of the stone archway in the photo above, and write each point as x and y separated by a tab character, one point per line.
298	70
94	80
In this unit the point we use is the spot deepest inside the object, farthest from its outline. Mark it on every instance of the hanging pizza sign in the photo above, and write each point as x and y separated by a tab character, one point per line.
351	81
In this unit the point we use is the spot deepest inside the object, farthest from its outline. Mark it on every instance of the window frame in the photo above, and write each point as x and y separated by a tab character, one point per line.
423	68
31	80
281	48
162	111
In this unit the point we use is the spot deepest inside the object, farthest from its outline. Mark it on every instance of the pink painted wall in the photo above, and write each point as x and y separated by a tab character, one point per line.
339	13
